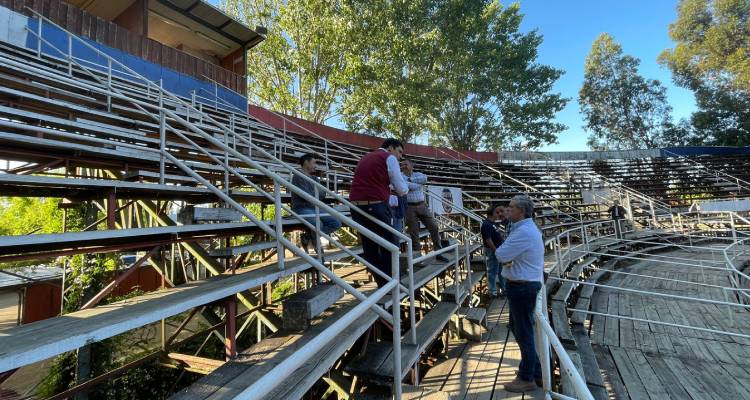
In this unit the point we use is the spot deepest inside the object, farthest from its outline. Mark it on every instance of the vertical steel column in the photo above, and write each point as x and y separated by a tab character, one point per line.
162	136
278	223
230	329
396	316
111	210
70	55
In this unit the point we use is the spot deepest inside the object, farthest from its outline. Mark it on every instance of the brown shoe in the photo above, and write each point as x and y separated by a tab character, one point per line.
519	386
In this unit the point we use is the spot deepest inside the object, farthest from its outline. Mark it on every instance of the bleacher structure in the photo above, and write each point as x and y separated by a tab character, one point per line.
199	190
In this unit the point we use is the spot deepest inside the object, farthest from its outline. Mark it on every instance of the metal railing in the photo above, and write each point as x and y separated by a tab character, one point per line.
549	199
368	303
227	162
726	177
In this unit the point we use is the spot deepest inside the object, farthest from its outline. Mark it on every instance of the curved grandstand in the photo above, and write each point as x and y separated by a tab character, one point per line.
192	189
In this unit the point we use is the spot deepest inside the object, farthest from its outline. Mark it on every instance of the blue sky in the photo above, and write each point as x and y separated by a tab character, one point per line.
569	28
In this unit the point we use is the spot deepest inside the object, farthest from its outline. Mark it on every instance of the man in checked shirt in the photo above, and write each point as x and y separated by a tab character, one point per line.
417	210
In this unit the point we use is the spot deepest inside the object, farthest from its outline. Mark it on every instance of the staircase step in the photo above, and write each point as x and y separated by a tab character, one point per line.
300	308
191	214
449	294
472	323
377	363
227	252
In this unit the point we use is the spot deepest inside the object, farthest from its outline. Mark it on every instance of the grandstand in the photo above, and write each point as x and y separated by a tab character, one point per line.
158	144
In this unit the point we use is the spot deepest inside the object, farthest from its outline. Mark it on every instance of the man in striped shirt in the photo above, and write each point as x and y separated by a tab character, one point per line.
417	210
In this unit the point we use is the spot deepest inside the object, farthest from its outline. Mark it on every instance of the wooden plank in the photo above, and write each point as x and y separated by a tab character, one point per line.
60	334
483	380
599	304
301	307
561	324
432	323
627	334
669	381
612	379
692	384
612	325
715	388
590	367
629	375
460	376
650	380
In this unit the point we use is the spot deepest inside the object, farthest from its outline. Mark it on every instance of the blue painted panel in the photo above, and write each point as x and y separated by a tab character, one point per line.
173	81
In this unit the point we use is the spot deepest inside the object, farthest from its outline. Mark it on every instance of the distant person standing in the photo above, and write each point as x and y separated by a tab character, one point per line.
492	237
617	213
524	247
376	172
417	210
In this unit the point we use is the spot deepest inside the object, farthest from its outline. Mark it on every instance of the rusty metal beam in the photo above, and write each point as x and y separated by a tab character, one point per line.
119	279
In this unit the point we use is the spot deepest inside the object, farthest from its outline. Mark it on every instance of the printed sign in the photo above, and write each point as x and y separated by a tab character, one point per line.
451	199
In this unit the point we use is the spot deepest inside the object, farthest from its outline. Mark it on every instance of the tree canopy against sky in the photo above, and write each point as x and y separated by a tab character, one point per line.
621	108
712	58
459	72
300	69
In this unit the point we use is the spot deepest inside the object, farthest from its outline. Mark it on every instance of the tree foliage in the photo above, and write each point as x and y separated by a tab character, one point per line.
459	71
299	69
712	58
621	108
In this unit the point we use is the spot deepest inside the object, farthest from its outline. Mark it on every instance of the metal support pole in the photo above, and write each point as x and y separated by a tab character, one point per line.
230	329
396	319
278	224
111	210
39	39
109	84
457	281
70	55
412	310
316	236
162	141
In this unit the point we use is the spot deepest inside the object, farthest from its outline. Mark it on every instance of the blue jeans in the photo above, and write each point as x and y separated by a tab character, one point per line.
328	224
522	299
397	224
494	277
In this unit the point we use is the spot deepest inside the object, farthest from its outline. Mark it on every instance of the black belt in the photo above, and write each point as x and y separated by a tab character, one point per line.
517	282
416	203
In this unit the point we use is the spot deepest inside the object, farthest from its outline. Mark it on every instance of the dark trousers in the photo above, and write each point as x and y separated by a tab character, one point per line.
415	214
522	299
373	252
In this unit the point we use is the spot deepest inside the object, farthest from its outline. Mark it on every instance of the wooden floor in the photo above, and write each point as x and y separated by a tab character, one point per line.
649	361
478	370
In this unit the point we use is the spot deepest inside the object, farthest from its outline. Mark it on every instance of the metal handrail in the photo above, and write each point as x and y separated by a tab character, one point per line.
618	185
511	178
716	172
394	317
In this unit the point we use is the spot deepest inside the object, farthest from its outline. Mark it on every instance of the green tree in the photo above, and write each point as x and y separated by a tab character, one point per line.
459	71
621	108
300	68
498	97
712	58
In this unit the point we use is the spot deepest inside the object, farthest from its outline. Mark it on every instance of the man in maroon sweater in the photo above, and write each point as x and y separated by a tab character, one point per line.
376	173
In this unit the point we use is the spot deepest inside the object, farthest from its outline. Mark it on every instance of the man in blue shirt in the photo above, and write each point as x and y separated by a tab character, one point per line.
492	237
524	247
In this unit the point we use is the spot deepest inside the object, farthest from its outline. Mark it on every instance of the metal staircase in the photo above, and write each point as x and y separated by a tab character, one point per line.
218	157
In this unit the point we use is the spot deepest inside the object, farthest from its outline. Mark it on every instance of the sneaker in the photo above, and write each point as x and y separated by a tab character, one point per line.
539	381
519	385
493	294
442	258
